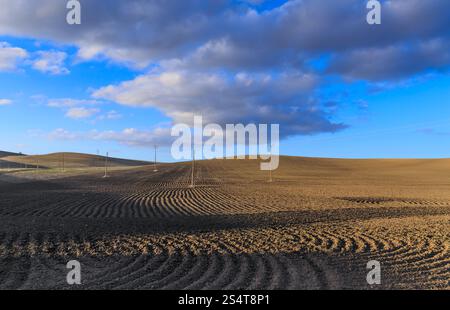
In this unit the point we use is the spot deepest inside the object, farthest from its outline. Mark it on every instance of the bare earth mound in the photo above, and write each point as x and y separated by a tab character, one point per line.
76	160
6	154
316	226
50	166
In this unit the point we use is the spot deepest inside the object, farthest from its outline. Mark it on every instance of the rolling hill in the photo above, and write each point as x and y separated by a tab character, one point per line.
6	154
71	160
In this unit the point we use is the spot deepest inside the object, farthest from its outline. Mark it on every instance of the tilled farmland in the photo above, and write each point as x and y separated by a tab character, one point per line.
314	227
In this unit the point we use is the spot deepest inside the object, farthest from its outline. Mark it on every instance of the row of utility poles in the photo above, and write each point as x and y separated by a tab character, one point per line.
63	163
155	168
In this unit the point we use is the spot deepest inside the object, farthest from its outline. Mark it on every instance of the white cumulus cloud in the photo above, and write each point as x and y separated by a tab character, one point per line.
80	113
5	101
10	56
52	62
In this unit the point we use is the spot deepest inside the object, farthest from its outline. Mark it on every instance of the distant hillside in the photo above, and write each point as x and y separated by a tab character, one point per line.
340	170
71	160
6	154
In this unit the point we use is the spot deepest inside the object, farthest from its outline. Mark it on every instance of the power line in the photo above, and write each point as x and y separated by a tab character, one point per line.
63	163
155	169
106	165
193	169
270	168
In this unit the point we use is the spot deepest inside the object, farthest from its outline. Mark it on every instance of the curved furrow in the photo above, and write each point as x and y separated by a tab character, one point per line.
170	209
214	203
79	209
399	249
288	274
103	208
164	208
211	273
426	257
156	270
134	207
121	208
263	273
192	208
15	273
179	265
151	207
317	274
75	208
104	273
122	276
144	209
199	268
39	211
413	252
157	208
35	209
379	243
72	208
279	277
179	209
127	207
228	272
50	272
246	266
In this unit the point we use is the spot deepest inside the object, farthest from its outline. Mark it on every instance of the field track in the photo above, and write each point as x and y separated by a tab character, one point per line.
234	230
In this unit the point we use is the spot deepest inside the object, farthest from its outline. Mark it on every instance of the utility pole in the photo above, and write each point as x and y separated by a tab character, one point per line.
106	165
63	163
154	164
193	169
270	168
97	159
37	165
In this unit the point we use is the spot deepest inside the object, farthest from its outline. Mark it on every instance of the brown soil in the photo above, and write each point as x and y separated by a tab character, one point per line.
315	227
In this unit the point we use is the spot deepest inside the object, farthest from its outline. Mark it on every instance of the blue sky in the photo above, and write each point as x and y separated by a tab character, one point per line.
118	82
